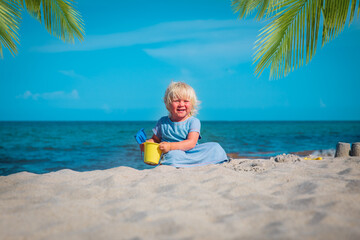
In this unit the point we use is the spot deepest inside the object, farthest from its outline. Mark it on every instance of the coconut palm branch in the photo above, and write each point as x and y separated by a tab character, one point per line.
292	34
59	17
9	24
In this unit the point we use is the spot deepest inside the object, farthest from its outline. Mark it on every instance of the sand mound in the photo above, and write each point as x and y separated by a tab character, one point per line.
251	199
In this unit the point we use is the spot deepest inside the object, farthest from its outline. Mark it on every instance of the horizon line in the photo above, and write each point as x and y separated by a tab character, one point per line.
200	120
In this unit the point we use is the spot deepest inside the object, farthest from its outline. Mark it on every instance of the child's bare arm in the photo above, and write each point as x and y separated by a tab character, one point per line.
185	145
154	138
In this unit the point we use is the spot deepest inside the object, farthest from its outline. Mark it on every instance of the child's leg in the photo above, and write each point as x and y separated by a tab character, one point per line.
201	154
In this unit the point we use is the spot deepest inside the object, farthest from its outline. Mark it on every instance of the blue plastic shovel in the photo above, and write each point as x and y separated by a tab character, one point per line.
140	136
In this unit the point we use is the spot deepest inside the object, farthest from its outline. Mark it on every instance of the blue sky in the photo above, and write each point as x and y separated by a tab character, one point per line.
133	49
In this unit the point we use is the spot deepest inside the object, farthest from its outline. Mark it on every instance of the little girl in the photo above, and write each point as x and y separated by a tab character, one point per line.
178	133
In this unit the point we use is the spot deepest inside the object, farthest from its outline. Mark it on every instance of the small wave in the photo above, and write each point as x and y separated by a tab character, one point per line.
30	148
237	155
58	149
68	149
316	153
98	147
324	153
50	148
304	153
19	161
6	160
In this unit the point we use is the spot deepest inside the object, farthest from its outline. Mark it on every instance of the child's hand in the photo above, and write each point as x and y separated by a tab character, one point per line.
142	146
165	147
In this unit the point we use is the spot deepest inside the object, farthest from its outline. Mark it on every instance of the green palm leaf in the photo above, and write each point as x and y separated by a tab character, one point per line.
292	34
59	17
9	24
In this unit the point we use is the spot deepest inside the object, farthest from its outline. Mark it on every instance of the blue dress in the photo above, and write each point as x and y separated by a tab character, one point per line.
201	154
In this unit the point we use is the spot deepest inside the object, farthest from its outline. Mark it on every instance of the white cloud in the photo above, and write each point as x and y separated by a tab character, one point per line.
27	94
211	44
184	75
204	30
72	74
106	108
50	95
322	104
219	53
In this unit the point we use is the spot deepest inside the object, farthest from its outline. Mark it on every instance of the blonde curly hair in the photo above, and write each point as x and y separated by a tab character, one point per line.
181	90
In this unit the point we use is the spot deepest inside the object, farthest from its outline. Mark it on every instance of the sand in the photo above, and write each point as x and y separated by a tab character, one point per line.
243	199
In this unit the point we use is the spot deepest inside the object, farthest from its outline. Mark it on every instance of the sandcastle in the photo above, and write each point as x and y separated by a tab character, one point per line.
344	149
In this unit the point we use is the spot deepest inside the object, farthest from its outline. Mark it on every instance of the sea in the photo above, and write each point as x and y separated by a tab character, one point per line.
43	147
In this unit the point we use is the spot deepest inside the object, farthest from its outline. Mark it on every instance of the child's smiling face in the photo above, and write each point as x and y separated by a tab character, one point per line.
180	109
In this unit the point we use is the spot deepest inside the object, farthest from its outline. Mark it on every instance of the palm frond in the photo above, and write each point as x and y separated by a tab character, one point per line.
335	14
283	42
292	34
9	25
248	7
261	8
60	17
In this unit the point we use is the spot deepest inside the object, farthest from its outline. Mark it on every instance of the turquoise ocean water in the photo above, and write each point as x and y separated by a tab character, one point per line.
41	147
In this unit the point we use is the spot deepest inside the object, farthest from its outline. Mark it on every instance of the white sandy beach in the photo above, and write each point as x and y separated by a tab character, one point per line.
243	199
